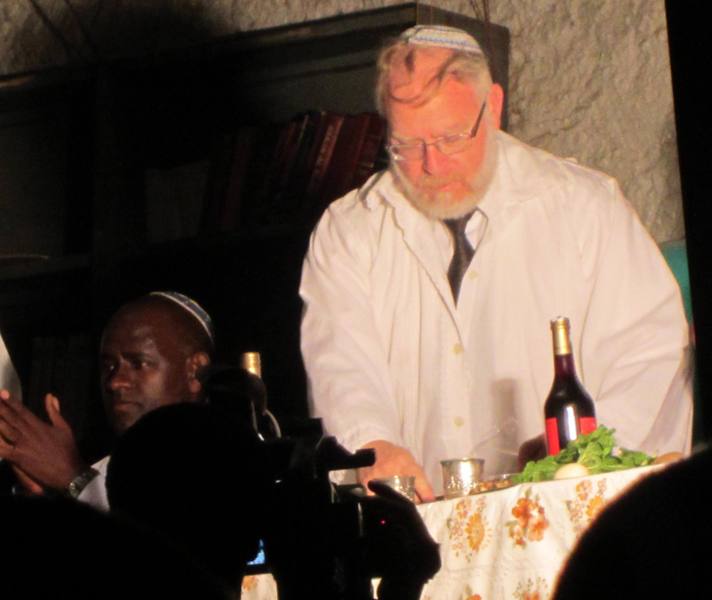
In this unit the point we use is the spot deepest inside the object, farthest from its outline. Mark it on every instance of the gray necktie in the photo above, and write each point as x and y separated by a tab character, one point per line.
462	255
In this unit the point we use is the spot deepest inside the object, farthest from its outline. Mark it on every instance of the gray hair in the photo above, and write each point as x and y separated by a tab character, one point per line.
464	66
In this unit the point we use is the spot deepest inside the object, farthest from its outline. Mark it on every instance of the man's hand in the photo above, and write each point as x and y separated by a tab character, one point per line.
393	460
44	453
532	449
30	485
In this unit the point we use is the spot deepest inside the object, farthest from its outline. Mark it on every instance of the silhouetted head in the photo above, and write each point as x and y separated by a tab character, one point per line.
188	471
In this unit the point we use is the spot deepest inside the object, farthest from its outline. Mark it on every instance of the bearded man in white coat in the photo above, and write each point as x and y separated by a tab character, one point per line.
423	367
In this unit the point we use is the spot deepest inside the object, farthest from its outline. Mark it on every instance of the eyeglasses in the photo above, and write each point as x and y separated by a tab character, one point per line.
448	144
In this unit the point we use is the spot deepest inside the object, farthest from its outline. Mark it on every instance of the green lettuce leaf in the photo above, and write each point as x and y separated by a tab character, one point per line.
597	451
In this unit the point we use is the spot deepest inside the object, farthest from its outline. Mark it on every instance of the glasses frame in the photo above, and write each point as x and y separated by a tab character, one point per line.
393	149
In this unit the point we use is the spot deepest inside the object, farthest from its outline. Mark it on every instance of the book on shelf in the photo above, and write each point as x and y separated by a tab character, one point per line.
296	185
339	163
287	172
367	162
345	159
323	121
253	189
242	149
284	199
263	198
322	160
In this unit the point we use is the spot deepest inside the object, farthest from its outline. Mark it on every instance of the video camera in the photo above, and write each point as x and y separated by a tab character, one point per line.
322	540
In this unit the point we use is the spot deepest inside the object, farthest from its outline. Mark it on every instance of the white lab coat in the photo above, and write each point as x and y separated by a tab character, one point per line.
390	356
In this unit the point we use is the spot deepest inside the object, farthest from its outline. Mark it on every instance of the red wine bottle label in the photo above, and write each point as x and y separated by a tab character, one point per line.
552	436
553	444
587	424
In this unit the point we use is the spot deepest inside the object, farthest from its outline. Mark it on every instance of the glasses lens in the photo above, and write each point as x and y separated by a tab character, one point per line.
406	152
453	144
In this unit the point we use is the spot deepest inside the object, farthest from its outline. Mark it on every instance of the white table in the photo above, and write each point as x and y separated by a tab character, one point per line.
505	544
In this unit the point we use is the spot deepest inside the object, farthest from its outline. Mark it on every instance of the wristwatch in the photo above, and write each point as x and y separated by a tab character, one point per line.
81	481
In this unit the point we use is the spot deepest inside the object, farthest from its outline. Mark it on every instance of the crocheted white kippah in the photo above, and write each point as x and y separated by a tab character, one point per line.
192	307
441	36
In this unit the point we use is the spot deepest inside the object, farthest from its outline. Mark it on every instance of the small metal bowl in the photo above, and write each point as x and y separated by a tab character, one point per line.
494	483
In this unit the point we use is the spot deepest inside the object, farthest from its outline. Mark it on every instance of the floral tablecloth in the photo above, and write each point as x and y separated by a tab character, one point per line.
507	544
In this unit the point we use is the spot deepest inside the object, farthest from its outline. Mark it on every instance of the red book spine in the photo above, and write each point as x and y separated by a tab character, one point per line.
323	158
370	149
342	161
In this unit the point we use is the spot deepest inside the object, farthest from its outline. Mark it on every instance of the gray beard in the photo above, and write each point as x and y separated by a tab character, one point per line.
441	207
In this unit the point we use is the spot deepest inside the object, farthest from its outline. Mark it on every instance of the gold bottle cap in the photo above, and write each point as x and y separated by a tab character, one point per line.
560	335
250	361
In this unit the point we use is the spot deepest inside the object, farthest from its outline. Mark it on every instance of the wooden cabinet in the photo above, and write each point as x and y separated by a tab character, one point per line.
137	134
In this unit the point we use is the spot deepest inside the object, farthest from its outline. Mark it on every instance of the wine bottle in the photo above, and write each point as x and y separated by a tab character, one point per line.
569	410
263	420
256	390
251	361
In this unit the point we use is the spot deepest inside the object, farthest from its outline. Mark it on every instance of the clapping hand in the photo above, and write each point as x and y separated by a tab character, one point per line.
43	455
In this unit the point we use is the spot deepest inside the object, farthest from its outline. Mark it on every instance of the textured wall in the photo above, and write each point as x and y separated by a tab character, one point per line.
589	79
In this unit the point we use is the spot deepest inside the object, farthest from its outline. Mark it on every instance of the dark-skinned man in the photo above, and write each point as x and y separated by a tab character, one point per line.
150	354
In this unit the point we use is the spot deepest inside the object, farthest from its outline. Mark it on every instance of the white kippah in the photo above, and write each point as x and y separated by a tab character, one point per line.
192	307
442	36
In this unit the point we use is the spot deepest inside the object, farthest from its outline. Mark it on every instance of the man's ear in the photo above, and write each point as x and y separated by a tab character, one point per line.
495	103
194	363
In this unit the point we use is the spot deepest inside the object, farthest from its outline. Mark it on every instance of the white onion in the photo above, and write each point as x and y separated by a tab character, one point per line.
571	470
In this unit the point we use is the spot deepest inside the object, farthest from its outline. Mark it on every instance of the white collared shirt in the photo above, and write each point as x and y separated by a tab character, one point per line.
390	356
94	494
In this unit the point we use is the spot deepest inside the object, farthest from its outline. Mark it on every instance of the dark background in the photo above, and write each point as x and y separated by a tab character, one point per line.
688	36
